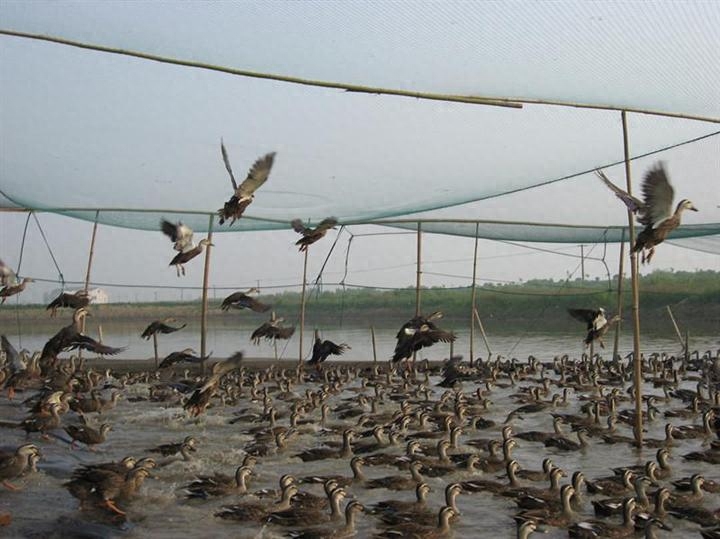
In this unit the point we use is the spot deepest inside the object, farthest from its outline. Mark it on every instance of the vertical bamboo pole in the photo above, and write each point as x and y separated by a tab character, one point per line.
582	263
206	275
618	308
91	254
473	296
302	305
418	274
155	349
372	336
635	294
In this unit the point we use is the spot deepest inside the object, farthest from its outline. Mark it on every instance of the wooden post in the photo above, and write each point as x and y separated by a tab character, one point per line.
582	263
87	273
155	349
372	337
677	329
482	332
302	305
473	296
206	276
635	295
619	306
418	274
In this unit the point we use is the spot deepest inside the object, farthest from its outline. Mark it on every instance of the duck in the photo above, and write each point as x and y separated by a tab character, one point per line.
299	515
348	530
495	487
398	482
219	484
87	435
187	355
654	211
686	432
7	275
419	332
551	515
14	289
320	453
244	194
600	528
357	477
565	444
388	508
611	506
173	448
311	235
243	300
660	498
71	337
258	512
613	485
417	531
74	300
322	349
272	330
421	514
161	326
182	237
103	487
597	323
43	421
16	463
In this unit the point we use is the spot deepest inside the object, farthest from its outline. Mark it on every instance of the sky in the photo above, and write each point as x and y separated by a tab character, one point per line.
85	129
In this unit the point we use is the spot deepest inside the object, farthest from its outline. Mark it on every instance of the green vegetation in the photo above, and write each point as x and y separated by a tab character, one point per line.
694	298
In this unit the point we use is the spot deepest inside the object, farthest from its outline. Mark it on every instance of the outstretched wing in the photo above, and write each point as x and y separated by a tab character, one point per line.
227	164
257	176
658	195
633	204
326	224
583	315
298	226
7	275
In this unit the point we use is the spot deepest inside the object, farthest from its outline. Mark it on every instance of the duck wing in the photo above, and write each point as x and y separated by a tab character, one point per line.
7	275
584	315
633	204
226	160
257	176
658	195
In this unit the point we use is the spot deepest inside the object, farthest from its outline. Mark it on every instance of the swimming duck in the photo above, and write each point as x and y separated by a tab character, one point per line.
103	487
271	330
398	482
597	324
417	333
389	508
43	421
324	349
419	513
320	453
88	435
13	465
357	475
244	193
600	528
311	235
174	448
654	211
417	531
348	530
74	300
613	485
258	512
219	484
552	515
243	300
299	515
160	326
198	402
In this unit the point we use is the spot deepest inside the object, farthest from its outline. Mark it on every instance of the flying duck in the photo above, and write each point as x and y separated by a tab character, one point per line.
188	355
244	193
311	235
242	300
71	338
160	326
323	349
10	283
597	324
74	300
417	333
272	330
182	235
654	211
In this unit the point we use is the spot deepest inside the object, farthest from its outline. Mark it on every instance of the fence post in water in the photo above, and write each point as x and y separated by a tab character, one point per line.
89	267
473	295
155	349
372	336
418	273
302	305
618	308
637	358
206	275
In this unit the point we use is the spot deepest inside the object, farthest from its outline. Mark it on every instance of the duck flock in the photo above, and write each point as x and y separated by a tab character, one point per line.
410	447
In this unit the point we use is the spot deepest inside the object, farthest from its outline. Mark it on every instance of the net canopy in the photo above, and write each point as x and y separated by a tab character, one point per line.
85	129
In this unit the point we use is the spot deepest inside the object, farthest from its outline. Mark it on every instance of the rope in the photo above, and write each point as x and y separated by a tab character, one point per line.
47	244
17	297
22	244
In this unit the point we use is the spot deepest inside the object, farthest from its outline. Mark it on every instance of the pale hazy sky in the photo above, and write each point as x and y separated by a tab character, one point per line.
81	128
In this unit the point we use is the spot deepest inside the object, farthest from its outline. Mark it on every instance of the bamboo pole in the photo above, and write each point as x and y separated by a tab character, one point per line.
155	350
637	358
302	305
372	337
677	329
91	254
482	332
206	275
473	296
619	307
418	273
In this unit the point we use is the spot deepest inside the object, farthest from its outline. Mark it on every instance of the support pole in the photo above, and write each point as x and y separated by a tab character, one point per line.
372	337
206	275
482	332
302	305
418	273
677	329
619	306
155	349
637	358
582	263
473	295
87	273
